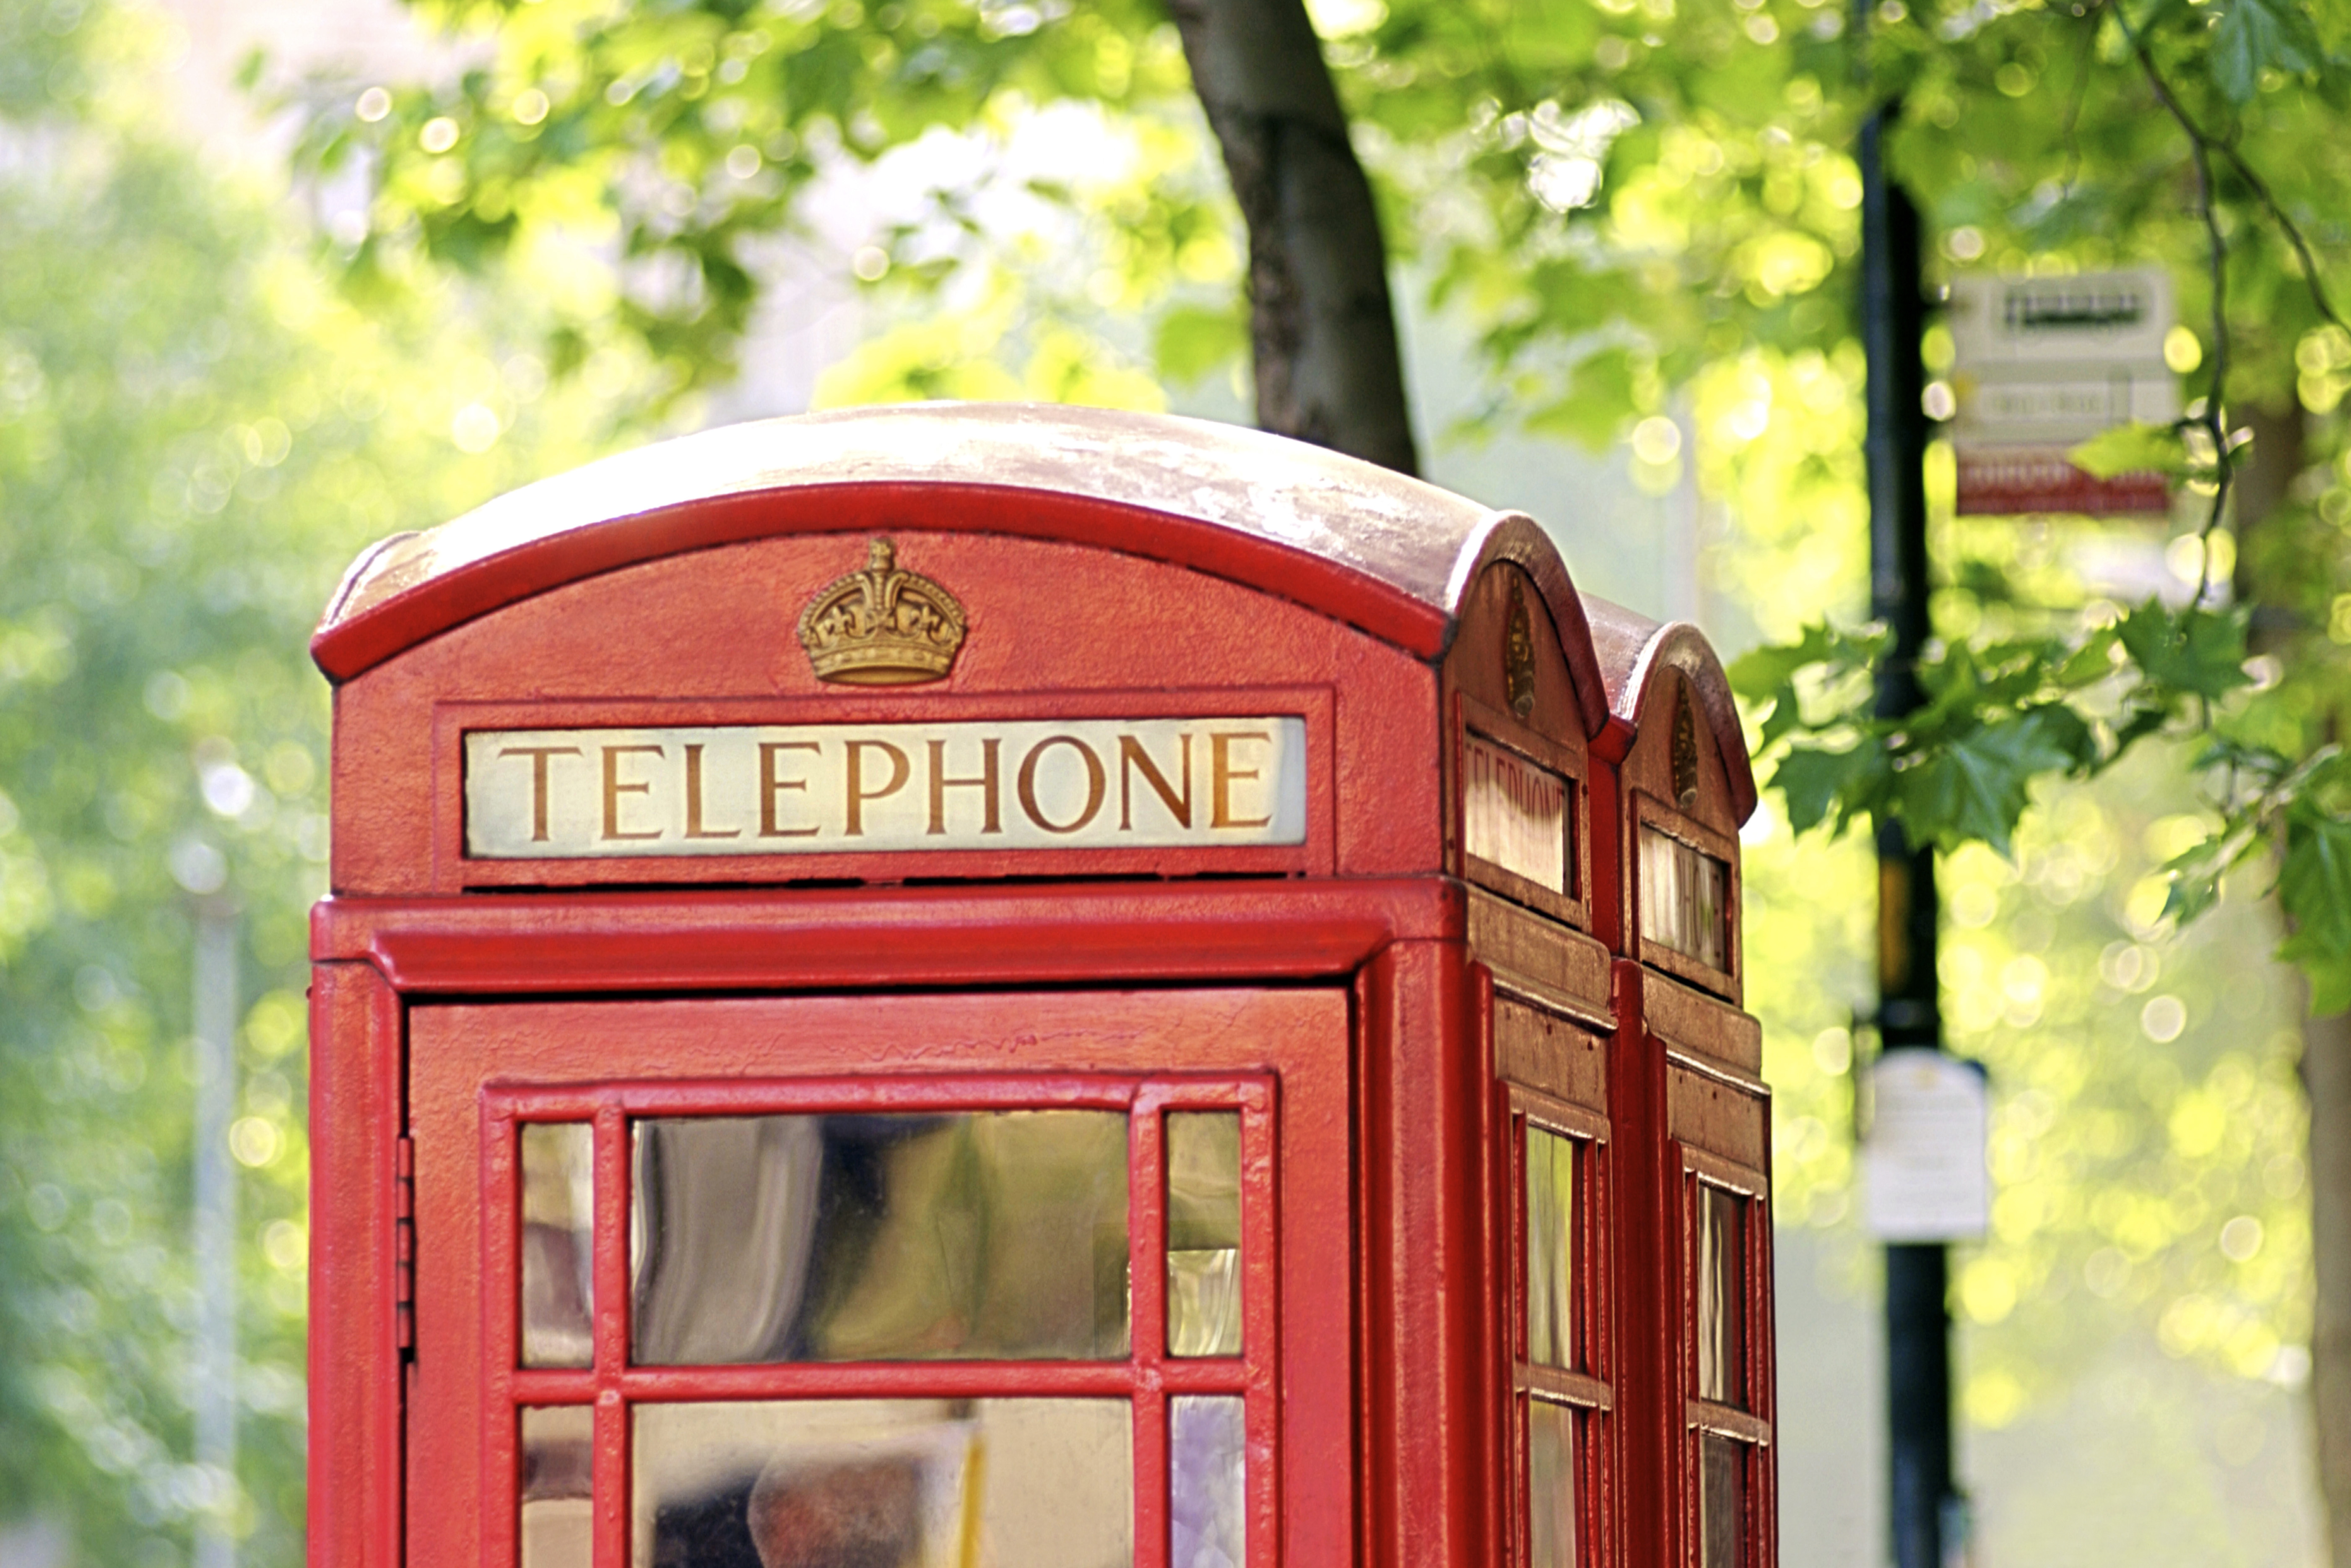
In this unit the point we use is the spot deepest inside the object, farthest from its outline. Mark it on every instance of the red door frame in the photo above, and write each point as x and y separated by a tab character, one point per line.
606	1061
1418	1460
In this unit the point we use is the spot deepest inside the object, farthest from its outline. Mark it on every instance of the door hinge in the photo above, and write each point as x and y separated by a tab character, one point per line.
403	1244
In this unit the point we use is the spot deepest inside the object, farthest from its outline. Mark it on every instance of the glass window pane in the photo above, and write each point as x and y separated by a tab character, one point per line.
1685	899
1550	1485
1722	1502
1208	1442
558	1446
1551	1248
1514	814
1721	1296
1204	1233
881	1237
885	1483
559	1221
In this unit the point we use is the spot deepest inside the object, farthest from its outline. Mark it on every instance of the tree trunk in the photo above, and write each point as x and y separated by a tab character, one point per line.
2327	1075
2263	565
1321	323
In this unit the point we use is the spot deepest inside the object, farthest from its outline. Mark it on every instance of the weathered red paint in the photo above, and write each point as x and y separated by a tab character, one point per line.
608	1061
358	1115
1343	992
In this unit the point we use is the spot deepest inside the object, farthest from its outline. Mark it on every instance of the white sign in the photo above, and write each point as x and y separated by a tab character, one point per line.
2042	364
2089	318
576	794
1923	1169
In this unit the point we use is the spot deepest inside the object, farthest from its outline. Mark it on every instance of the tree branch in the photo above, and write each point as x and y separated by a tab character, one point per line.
2074	99
2215	419
2293	234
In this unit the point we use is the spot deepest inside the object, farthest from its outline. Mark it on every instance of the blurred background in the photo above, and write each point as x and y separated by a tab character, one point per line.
222	372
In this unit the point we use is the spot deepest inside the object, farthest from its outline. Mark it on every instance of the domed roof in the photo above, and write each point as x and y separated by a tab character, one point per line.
1377	549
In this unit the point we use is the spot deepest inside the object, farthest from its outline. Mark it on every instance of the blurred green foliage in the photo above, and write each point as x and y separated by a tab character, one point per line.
2146	1140
1645	211
1627	200
2147	1129
678	140
195	433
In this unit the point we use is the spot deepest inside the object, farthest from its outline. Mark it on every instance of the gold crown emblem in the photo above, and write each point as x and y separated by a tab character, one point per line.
881	626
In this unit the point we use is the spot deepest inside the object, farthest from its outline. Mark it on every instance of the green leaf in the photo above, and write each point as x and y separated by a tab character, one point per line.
2132	449
2256	36
1984	581
2200	653
1974	788
2191	894
2314	887
2089	663
1768	674
1812	782
1757	673
1760	672
2151	15
2195	872
2330	988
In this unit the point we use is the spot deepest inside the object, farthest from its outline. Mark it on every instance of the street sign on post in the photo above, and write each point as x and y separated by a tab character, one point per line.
2042	364
1922	1167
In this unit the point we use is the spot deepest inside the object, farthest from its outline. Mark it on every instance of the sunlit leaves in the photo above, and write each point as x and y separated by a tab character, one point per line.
2195	652
2301	814
1973	787
2133	449
1958	768
964	355
694	134
2145	1134
1817	783
1192	341
2314	884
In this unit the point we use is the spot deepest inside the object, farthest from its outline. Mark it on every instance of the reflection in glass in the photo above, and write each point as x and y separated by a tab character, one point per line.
559	1444
1208	1442
1722	1501
1721	1296
559	1215
1685	899
1204	1233
882	1483
1550	1485
1551	1248
881	1237
1513	813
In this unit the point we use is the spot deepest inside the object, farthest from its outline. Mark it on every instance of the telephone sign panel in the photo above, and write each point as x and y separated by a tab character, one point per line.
872	789
1000	985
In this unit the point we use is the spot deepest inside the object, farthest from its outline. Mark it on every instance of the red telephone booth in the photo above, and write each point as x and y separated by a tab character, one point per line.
1023	985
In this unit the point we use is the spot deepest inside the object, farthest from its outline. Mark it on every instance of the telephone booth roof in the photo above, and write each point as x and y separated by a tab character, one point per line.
1389	554
1359	543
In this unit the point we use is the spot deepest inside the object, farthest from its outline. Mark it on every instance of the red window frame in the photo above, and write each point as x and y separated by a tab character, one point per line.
1148	1377
1586	1389
1655	815
1475	720
1749	1423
